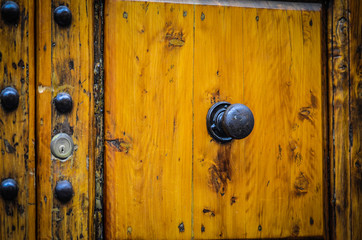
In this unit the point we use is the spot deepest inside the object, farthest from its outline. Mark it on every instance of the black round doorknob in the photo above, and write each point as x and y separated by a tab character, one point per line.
64	191
63	16
9	189
10	12
9	98
227	121
63	102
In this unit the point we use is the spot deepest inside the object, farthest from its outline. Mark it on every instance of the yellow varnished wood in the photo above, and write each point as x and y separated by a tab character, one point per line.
219	73
17	158
165	66
269	184
65	64
148	120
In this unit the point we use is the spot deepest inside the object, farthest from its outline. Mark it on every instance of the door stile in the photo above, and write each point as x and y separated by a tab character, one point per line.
64	60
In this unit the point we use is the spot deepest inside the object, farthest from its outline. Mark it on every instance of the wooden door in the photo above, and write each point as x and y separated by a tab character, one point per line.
166	64
296	65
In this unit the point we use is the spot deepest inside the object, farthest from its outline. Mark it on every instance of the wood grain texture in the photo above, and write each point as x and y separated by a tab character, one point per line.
17	128
148	120
338	35
165	65
355	36
307	5
65	64
269	184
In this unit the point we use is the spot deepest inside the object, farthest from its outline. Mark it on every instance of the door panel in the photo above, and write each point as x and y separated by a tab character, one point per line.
269	184
166	64
148	120
17	124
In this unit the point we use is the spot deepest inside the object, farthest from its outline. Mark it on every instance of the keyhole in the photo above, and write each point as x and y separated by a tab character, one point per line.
62	146
62	149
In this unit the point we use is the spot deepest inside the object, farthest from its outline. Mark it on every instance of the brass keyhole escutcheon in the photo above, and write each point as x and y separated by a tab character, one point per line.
62	146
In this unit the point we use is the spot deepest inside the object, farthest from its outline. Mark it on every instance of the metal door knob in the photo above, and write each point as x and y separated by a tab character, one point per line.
226	121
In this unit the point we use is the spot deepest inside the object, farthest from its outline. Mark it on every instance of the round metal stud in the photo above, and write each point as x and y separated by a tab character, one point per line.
63	16
9	99
226	122
64	191
9	189
10	12
62	146
63	102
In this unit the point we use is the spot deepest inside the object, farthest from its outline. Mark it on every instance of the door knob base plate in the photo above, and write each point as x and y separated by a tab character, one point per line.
213	120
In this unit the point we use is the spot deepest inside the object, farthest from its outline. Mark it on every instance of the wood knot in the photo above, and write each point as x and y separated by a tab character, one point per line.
175	39
301	185
119	144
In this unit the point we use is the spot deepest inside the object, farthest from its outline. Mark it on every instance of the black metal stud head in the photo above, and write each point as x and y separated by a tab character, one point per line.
63	102
9	98
10	12
64	191
9	189
226	122
63	16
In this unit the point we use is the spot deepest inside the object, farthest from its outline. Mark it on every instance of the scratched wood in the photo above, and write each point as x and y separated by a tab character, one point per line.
355	38
65	64
270	184
148	120
17	128
340	169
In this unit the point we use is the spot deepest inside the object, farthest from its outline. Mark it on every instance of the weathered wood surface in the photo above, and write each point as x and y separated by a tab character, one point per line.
17	157
344	49
355	37
99	119
339	118
165	65
65	64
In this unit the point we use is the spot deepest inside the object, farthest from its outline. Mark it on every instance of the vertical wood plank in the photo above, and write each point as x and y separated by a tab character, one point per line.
219	67
17	157
65	64
355	36
283	84
339	101
148	120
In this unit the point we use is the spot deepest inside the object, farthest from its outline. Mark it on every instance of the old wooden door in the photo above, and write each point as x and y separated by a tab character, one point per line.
166	64
104	128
